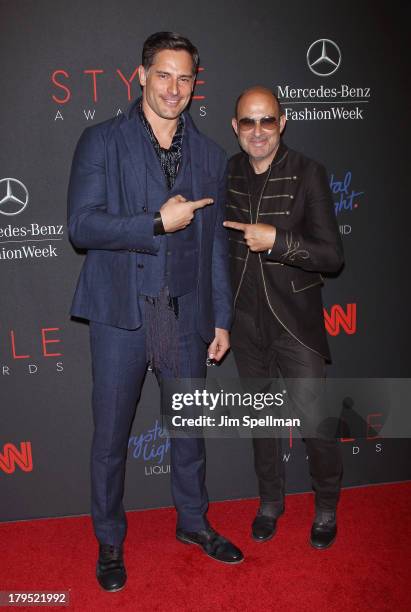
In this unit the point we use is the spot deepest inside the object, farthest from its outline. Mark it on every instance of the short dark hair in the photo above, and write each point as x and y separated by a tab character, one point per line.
280	108
168	40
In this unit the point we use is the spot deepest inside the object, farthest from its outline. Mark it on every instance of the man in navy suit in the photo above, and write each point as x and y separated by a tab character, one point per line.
146	200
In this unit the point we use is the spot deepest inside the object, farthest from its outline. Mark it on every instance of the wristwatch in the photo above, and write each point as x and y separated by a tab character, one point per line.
158	227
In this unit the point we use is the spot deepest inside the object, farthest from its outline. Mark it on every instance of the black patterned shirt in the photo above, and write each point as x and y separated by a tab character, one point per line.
169	158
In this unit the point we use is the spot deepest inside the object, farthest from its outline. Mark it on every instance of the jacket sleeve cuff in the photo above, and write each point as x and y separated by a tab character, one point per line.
279	247
141	234
224	322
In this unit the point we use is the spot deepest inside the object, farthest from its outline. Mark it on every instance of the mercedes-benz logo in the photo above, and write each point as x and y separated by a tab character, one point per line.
323	57
14	197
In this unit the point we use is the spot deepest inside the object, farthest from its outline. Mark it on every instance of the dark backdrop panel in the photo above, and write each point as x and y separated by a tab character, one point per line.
48	99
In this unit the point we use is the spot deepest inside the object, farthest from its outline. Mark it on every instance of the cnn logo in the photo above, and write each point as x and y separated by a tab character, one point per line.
12	456
339	319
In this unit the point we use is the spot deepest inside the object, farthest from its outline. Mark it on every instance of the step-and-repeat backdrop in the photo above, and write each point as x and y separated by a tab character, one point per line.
339	70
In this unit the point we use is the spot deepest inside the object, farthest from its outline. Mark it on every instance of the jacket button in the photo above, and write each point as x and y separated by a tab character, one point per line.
140	266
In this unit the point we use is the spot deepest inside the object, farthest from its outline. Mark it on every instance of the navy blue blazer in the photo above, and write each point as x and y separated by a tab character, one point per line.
107	216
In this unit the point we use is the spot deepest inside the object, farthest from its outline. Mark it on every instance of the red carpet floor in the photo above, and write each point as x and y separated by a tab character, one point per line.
368	568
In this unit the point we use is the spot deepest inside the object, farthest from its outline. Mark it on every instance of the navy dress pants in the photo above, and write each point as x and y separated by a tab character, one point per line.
119	364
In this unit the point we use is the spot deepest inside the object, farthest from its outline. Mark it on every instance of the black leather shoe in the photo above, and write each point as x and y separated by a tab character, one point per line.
323	530
111	573
263	527
213	544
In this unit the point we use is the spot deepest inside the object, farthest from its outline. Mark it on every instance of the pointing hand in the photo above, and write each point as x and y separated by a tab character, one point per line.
178	212
258	236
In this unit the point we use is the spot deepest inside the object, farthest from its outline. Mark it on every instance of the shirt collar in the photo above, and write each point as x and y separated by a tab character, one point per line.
177	140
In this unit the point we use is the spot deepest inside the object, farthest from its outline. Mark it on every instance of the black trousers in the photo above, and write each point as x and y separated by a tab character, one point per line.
263	349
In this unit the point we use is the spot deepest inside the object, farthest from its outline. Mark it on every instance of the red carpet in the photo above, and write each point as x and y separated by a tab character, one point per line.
368	568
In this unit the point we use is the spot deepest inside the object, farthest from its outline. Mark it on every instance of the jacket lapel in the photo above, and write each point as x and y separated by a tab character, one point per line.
131	130
198	173
195	153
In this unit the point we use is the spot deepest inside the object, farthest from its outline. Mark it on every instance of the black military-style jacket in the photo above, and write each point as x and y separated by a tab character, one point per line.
297	200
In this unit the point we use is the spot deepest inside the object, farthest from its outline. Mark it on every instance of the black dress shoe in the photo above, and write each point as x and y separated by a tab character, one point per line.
323	530
213	544
263	527
111	573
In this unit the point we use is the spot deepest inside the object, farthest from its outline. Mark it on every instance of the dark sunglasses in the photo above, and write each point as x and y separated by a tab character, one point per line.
246	124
